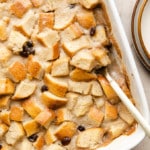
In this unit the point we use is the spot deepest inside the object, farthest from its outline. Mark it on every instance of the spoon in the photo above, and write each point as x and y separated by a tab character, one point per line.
133	110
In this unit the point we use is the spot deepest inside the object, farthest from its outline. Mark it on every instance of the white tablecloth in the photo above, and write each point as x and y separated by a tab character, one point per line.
125	8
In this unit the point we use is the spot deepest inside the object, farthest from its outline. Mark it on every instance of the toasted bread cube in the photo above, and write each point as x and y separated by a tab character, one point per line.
6	87
39	143
5	117
83	60
49	136
31	127
96	89
54	147
45	117
62	115
16	41
46	20
81	75
95	116
89	3
24	90
26	25
4	102
109	92
17	71
90	138
48	37
125	114
72	47
19	7
86	18
64	16
57	86
83	105
15	133
3	31
5	54
101	56
60	67
31	107
111	112
3	129
53	101
72	32
34	68
100	36
37	3
16	113
66	129
79	87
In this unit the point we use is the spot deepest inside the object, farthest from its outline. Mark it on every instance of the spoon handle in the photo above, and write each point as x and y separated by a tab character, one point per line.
133	110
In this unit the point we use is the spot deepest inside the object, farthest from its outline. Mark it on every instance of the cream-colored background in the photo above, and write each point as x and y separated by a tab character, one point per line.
125	8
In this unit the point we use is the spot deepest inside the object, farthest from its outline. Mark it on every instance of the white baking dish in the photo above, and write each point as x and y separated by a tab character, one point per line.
127	142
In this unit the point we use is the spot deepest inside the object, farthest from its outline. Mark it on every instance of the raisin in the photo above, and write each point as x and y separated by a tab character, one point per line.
1	146
66	141
109	46
24	54
81	128
92	31
33	137
29	43
44	88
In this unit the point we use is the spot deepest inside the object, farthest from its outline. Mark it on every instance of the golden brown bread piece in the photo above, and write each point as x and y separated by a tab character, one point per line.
3	129
89	4
3	31
4	102
37	3
5	117
39	143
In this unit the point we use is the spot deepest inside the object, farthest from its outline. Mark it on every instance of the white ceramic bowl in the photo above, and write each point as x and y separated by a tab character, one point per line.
127	142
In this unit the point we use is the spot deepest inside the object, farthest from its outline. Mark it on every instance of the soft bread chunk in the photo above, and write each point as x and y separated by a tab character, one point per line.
90	138
6	86
26	25
83	60
95	116
83	105
72	47
17	71
14	133
96	89
45	117
4	102
115	128
54	147
19	7
16	41
37	3
25	144
100	37
24	90
109	92
111	112
60	67
101	56
72	99
3	129
34	68
48	37
72	32
5	117
125	114
3	31
46	20
62	115
100	101
31	127
39	143
79	87
66	129
16	113
53	101
49	136
86	18
64	16
89	3
57	86
5	54
31	107
81	75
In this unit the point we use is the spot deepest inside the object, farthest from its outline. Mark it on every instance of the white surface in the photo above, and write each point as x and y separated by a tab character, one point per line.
125	8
